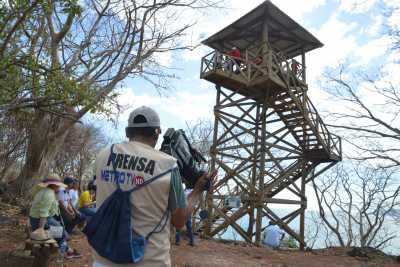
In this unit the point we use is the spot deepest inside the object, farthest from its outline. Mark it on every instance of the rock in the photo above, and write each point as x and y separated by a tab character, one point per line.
367	252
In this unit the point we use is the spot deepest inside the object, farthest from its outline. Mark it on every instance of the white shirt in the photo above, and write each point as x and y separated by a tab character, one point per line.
272	236
63	195
74	197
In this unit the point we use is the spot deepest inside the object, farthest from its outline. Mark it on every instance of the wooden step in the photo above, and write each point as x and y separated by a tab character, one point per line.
294	115
283	108
299	123
288	96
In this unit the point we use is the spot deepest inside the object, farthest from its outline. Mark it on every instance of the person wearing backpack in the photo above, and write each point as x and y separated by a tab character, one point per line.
136	175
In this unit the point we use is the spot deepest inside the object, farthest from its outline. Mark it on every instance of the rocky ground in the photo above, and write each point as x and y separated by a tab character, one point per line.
205	253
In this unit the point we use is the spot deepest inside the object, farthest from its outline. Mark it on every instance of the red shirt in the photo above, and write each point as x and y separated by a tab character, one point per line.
234	53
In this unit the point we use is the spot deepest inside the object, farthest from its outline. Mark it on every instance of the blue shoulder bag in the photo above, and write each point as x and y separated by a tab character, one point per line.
110	231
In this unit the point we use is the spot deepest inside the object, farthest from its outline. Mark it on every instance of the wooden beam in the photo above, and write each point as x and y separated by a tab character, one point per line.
303	205
234	217
285	226
283	201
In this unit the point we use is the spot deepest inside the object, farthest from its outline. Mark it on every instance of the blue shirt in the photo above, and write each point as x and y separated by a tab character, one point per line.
272	236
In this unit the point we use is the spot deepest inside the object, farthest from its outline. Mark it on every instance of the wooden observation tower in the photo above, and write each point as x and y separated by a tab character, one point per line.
269	140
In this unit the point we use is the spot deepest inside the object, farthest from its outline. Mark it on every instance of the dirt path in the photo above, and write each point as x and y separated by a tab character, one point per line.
213	253
205	253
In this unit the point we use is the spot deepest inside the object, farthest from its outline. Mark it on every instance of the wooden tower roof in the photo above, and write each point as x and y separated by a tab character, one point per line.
284	33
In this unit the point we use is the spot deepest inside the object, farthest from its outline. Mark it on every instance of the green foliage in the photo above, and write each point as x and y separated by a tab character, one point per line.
289	242
28	72
72	7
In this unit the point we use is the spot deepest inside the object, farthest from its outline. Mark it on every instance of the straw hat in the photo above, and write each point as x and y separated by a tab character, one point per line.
41	235
52	179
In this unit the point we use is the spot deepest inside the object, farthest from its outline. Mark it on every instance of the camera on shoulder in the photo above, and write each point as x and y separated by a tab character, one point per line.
177	144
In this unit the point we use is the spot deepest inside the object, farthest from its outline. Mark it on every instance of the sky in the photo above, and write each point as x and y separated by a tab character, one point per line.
352	32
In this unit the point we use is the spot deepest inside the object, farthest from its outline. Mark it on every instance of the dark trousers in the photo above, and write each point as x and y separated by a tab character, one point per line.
71	223
189	232
88	212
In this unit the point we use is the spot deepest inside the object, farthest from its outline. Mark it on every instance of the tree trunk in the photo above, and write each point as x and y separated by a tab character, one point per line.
45	140
250	228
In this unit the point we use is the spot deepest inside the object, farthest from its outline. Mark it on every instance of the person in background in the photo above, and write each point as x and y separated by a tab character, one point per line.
189	228
272	235
69	214
236	56
295	66
87	201
74	193
44	210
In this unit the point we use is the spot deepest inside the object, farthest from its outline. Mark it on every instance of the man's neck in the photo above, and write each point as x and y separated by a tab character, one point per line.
142	140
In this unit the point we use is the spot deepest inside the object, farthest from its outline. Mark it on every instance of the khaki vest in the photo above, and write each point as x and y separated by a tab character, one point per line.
138	162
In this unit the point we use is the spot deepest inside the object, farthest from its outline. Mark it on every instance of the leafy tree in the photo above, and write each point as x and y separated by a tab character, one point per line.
60	60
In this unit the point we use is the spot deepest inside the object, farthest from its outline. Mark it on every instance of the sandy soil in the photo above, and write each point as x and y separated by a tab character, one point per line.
205	253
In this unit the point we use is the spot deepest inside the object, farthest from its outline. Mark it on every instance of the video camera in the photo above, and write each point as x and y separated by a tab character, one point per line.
177	145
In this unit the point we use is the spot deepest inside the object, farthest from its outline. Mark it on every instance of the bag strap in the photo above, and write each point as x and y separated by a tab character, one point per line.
155	229
165	216
113	162
141	185
151	180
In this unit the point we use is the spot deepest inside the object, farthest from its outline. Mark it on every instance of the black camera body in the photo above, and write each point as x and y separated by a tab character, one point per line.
177	145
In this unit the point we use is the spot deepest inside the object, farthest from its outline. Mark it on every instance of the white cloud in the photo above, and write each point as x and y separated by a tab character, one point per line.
178	109
216	20
371	50
338	42
374	29
356	6
297	9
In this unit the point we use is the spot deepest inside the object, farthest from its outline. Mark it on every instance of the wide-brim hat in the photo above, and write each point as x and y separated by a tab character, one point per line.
41	235
53	179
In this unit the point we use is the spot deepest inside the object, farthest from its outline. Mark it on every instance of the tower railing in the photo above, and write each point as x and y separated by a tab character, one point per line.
255	66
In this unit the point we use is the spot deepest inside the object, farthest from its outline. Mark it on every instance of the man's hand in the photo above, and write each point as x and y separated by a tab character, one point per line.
180	215
206	178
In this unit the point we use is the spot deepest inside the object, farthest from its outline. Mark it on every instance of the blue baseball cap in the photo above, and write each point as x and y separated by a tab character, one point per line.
69	180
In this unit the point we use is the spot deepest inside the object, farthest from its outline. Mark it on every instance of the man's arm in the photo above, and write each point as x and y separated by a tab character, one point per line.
60	198
180	214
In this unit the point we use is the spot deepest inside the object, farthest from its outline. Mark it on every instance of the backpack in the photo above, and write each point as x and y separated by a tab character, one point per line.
110	230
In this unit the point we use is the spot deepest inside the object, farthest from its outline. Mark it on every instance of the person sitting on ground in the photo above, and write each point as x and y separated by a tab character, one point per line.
44	210
70	216
272	235
87	201
189	228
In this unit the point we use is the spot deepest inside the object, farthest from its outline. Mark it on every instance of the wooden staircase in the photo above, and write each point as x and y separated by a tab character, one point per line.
290	175
300	116
290	100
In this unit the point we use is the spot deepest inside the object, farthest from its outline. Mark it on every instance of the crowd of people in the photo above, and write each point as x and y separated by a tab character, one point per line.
138	193
59	207
233	61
